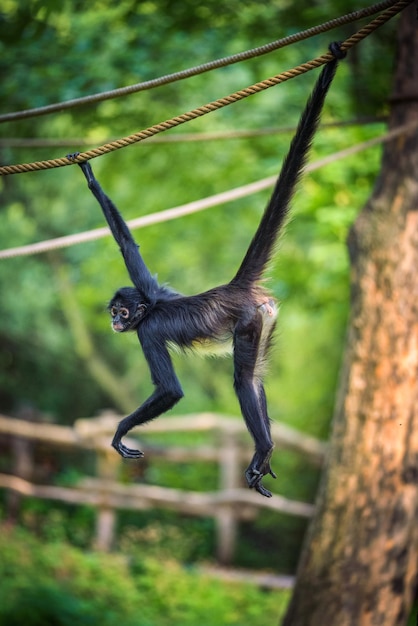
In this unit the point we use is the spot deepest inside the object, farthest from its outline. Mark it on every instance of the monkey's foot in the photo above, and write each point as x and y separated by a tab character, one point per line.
125	452
254	476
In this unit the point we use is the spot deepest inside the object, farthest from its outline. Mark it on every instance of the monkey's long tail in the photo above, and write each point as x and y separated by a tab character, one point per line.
262	246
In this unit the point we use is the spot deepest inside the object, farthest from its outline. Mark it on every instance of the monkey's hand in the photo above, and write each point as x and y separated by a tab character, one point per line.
124	451
255	472
85	166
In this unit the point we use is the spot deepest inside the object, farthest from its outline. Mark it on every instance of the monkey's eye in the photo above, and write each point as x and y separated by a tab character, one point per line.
113	311
124	313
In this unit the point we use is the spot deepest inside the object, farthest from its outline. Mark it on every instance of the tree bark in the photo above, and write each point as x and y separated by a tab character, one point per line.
359	564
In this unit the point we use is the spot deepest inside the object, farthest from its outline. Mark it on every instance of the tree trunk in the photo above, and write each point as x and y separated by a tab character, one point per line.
360	561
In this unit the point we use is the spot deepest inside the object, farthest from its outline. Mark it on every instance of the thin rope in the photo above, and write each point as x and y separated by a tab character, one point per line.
212	106
199	69
199	205
221	135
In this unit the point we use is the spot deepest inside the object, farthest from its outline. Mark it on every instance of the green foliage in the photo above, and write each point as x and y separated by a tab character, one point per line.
413	618
163	536
86	584
284	535
55	51
47	604
59	522
58	585
68	56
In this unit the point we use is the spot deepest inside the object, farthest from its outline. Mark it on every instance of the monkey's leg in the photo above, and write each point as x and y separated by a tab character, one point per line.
260	463
163	399
248	355
167	393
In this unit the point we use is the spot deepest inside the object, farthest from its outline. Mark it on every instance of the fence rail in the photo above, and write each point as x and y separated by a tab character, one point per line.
228	505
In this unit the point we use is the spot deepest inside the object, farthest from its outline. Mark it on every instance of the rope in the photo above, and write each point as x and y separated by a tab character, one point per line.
76	142
212	106
171	123
198	205
199	69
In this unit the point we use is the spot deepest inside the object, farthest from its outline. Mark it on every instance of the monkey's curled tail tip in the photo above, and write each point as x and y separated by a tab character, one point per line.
72	157
335	49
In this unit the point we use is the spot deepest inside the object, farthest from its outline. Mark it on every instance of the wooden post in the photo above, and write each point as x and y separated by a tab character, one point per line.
226	521
22	463
108	464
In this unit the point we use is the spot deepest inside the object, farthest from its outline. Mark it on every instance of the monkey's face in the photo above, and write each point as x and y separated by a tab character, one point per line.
124	319
126	312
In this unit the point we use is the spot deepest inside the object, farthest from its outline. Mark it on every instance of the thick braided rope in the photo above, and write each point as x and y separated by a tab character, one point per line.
211	106
200	69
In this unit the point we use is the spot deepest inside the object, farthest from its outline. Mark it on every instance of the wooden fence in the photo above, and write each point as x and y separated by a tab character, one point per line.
229	504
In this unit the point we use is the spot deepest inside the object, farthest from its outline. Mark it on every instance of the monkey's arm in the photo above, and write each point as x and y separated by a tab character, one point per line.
167	392
138	271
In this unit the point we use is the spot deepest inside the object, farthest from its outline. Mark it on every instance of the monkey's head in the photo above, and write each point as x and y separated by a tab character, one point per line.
127	308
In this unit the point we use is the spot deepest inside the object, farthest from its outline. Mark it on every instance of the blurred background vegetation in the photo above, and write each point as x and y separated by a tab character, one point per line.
53	304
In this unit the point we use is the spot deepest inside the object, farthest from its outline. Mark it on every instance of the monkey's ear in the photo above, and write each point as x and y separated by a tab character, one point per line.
139	313
141	310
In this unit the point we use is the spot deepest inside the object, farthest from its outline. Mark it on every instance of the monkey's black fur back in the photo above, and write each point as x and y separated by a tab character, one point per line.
241	314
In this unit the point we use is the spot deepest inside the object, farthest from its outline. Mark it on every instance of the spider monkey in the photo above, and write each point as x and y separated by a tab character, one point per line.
241	313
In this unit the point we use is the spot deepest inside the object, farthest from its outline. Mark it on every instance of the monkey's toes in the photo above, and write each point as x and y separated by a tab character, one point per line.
254	477
261	489
125	452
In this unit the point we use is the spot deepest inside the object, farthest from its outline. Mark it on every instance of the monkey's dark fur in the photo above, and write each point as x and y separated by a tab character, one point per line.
241	312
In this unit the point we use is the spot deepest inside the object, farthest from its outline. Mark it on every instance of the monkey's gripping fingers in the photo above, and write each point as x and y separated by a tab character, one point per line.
124	451
85	166
254	482
256	471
